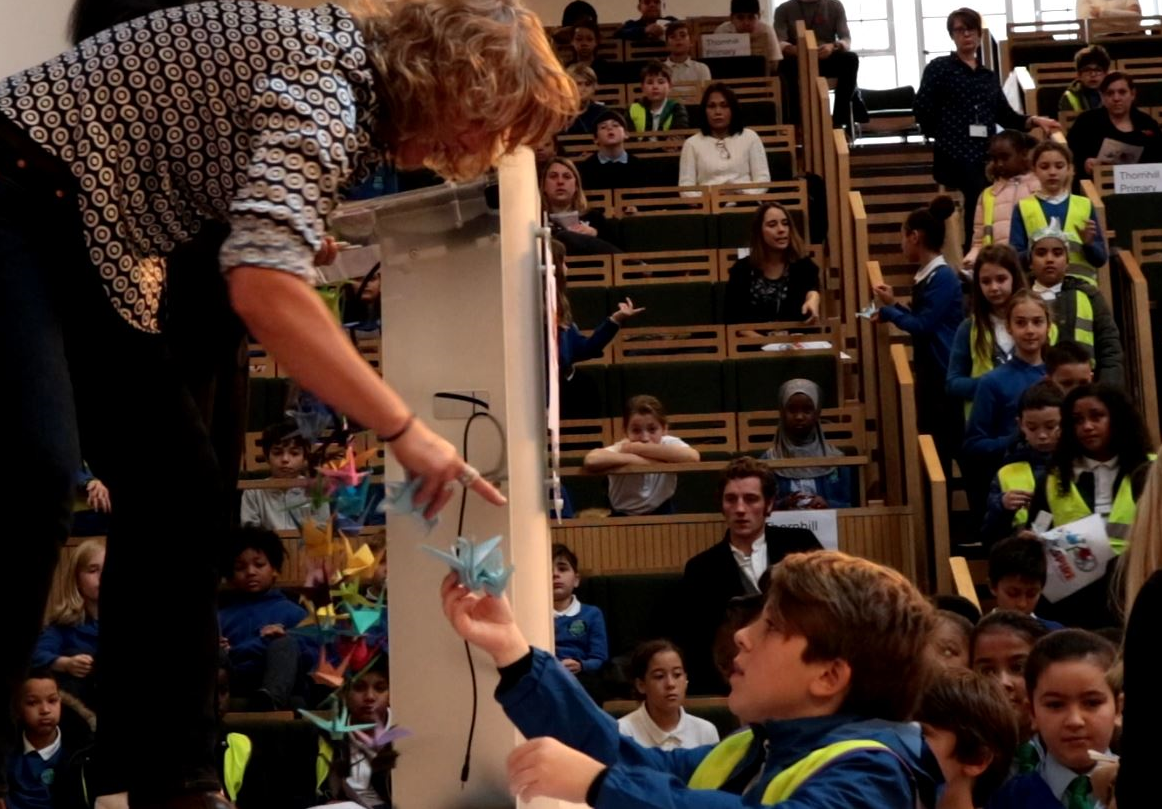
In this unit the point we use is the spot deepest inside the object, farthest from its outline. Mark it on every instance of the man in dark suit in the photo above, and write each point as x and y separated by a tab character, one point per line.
733	567
611	166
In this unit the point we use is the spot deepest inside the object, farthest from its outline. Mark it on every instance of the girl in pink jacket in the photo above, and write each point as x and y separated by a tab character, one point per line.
1012	181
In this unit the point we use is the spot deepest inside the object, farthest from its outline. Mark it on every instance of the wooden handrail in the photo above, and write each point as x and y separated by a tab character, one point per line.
1099	212
962	579
938	509
1137	316
711	466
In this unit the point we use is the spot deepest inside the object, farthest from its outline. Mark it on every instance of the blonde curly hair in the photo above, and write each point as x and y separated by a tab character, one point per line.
66	606
486	63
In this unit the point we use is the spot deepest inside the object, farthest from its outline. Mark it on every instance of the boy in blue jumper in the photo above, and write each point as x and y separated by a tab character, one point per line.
1039	426
579	629
1075	711
31	775
832	669
265	661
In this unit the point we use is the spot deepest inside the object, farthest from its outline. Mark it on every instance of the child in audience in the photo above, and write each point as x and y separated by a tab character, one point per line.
659	677
650	26
1017	573
1039	423
982	340
612	166
835	658
1075	711
724	151
646	442
777	281
1104	443
1068	364
68	644
936	312
572	346
1001	643
655	111
949	644
1093	63
281	510
992	423
32	773
581	643
744	19
971	729
360	772
799	435
585	41
1008	168
265	661
586	121
1080	311
683	69
1053	166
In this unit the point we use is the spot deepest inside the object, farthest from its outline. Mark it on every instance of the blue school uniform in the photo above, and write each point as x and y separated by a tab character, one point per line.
31	774
242	619
1049	786
579	631
993	419
543	699
59	640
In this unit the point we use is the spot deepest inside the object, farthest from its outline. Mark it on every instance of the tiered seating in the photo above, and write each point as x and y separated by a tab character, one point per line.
1043	83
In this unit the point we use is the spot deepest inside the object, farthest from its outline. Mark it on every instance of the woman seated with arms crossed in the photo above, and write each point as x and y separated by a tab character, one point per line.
724	152
800	435
777	281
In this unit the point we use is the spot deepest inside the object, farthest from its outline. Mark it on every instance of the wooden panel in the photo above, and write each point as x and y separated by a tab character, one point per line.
1144	69
665	200
611	95
1148	245
843	427
795	338
601	198
735	196
1053	73
579	436
665	267
645	50
1099	213
657	544
589	271
661	344
706	432
1138	339
917	557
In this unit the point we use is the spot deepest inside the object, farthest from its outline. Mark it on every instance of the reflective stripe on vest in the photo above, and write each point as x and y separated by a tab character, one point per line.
1077	216
323	764
988	201
1074	101
238	749
1071	506
1018	475
720	763
1083	323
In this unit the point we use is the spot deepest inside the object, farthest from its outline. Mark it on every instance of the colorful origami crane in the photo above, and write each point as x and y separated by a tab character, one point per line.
479	567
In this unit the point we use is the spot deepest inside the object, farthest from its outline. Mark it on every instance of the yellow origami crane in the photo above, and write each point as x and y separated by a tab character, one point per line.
319	538
359	562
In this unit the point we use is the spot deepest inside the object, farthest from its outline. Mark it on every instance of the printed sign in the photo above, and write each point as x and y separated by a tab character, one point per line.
824	522
725	45
1142	178
1076	555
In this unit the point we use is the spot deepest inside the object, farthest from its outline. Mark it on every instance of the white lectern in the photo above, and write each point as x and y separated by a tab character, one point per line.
463	312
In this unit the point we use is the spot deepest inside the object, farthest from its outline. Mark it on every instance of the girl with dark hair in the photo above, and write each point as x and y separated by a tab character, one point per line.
659	677
777	281
1095	470
982	340
724	151
1012	181
936	312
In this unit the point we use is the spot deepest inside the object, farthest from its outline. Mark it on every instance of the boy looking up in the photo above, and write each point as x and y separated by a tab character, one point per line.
612	166
831	669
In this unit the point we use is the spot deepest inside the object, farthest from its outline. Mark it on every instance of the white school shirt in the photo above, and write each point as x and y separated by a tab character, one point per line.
1104	475
1001	337
704	164
690	732
642	493
688	72
49	751
928	269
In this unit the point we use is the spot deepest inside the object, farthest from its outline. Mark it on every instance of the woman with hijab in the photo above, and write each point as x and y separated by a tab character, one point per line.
800	435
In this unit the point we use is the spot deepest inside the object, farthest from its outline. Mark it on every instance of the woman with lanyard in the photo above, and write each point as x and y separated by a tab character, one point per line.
960	104
120	149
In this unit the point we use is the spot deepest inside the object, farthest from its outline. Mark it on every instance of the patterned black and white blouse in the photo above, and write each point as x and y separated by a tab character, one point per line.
236	110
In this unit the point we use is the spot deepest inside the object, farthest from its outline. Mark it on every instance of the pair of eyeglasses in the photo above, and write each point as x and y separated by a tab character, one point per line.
723	152
960	31
1092	69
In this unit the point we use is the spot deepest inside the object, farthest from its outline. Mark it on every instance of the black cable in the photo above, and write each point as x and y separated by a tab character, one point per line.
466	767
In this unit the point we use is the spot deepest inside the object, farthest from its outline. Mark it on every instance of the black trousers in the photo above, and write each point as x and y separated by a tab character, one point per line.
842	66
143	434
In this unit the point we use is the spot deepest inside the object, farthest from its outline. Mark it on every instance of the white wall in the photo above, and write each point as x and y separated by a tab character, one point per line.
33	31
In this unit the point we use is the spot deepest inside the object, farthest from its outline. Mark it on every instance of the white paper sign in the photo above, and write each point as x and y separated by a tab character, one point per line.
1116	152
725	45
1077	554
824	522
1142	178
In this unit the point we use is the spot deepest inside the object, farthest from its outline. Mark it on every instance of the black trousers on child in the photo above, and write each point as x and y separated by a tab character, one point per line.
61	342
